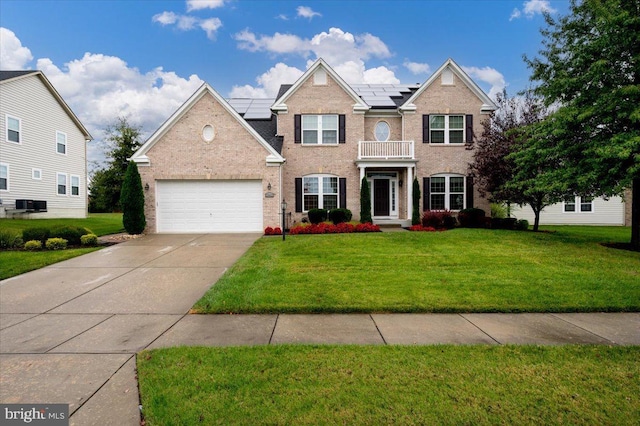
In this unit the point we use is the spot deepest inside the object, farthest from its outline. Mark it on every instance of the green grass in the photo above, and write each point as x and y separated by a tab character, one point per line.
463	270
283	385
18	262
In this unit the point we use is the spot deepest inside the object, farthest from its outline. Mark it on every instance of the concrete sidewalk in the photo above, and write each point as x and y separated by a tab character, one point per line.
69	332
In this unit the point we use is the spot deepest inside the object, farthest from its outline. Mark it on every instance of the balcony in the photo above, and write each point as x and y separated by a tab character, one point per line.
390	150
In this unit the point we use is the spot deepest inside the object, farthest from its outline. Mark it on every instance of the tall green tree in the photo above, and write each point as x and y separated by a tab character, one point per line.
132	201
365	202
589	68
121	140
415	214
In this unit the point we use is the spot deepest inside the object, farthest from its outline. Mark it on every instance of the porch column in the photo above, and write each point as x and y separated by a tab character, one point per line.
362	170
409	192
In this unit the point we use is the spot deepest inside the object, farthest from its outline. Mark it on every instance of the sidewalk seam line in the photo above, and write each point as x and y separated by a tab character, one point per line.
481	330
81	333
582	328
275	324
378	328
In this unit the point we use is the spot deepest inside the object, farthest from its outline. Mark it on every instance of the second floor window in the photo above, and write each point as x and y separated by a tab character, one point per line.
61	143
320	129
446	129
13	129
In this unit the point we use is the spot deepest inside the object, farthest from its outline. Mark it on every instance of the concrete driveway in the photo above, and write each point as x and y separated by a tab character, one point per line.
69	332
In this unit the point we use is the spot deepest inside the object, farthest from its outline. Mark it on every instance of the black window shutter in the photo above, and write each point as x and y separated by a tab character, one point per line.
426	194
342	132
297	126
469	126
298	195
425	128
469	190
343	192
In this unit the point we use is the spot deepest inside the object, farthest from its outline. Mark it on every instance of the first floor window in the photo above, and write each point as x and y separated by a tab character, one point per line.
62	183
4	177
446	129
320	129
578	204
13	129
320	192
61	143
75	185
447	192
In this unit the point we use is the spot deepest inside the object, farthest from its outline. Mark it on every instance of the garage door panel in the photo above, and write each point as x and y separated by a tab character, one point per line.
209	206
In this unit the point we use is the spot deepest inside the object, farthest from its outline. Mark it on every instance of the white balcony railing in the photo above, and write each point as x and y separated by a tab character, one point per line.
385	150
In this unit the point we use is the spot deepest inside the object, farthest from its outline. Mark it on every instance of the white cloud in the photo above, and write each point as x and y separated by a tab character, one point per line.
101	88
204	4
417	68
307	12
13	55
531	8
188	22
488	75
278	43
282	17
269	82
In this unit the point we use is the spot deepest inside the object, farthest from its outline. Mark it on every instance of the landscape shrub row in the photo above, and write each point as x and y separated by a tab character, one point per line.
328	228
467	218
57	238
70	233
336	216
272	231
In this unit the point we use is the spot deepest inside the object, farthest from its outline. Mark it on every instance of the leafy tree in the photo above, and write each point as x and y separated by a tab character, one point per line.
589	68
122	140
503	166
365	202
132	201
415	214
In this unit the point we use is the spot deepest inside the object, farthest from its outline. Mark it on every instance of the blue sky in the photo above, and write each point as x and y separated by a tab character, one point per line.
142	59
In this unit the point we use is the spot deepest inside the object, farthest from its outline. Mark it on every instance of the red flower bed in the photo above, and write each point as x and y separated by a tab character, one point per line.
328	228
272	231
420	228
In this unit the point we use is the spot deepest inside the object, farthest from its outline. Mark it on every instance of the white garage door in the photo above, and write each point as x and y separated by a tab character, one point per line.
209	206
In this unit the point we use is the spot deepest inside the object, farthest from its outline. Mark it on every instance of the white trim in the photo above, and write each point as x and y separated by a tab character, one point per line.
66	184
140	156
5	165
447	191
447	130
375	131
71	185
33	174
6	126
577	203
394	192
65	142
488	104
319	129
320	179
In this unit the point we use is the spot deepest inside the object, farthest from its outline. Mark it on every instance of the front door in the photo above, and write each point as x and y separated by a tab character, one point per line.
381	197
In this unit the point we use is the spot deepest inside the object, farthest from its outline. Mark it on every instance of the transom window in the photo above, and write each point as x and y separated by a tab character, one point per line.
446	129
579	204
61	143
447	192
4	177
62	183
320	192
75	185
13	129
320	129
382	131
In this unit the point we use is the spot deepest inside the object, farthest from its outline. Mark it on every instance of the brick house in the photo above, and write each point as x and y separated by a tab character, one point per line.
221	165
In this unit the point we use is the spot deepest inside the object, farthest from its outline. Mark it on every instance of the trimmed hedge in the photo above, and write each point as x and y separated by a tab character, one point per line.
317	216
41	234
438	219
33	245
56	244
340	216
70	233
90	240
471	218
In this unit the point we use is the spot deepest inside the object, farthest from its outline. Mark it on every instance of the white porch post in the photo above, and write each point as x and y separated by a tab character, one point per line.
361	173
409	192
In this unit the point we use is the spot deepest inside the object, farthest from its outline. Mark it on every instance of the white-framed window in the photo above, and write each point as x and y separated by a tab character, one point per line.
75	186
319	129
61	180
14	129
578	205
4	177
319	192
447	192
36	174
382	131
446	129
61	143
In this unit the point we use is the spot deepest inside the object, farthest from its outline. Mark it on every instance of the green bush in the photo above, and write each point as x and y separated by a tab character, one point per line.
317	215
438	219
89	240
132	201
56	244
415	214
498	211
70	233
522	225
365	202
471	218
33	245
10	239
340	216
41	234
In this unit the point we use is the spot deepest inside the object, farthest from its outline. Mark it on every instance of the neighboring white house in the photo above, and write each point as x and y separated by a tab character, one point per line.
43	158
578	211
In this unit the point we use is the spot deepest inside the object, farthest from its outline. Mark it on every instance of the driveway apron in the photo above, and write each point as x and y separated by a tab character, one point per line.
69	332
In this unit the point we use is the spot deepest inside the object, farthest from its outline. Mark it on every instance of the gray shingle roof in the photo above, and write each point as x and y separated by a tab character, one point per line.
7	75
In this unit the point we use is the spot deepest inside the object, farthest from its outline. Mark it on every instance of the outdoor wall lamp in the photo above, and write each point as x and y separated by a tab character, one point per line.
269	186
146	187
400	183
284	208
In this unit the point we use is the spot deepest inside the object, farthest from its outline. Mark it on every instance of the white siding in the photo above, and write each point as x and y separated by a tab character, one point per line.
605	212
41	116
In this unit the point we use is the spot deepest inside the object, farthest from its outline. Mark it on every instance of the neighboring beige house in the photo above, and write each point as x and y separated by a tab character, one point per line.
43	160
221	165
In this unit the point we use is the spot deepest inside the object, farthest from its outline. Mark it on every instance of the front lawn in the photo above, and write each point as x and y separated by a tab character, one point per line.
18	262
463	270
283	385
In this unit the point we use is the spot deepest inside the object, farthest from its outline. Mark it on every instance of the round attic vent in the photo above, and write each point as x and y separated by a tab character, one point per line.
208	133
